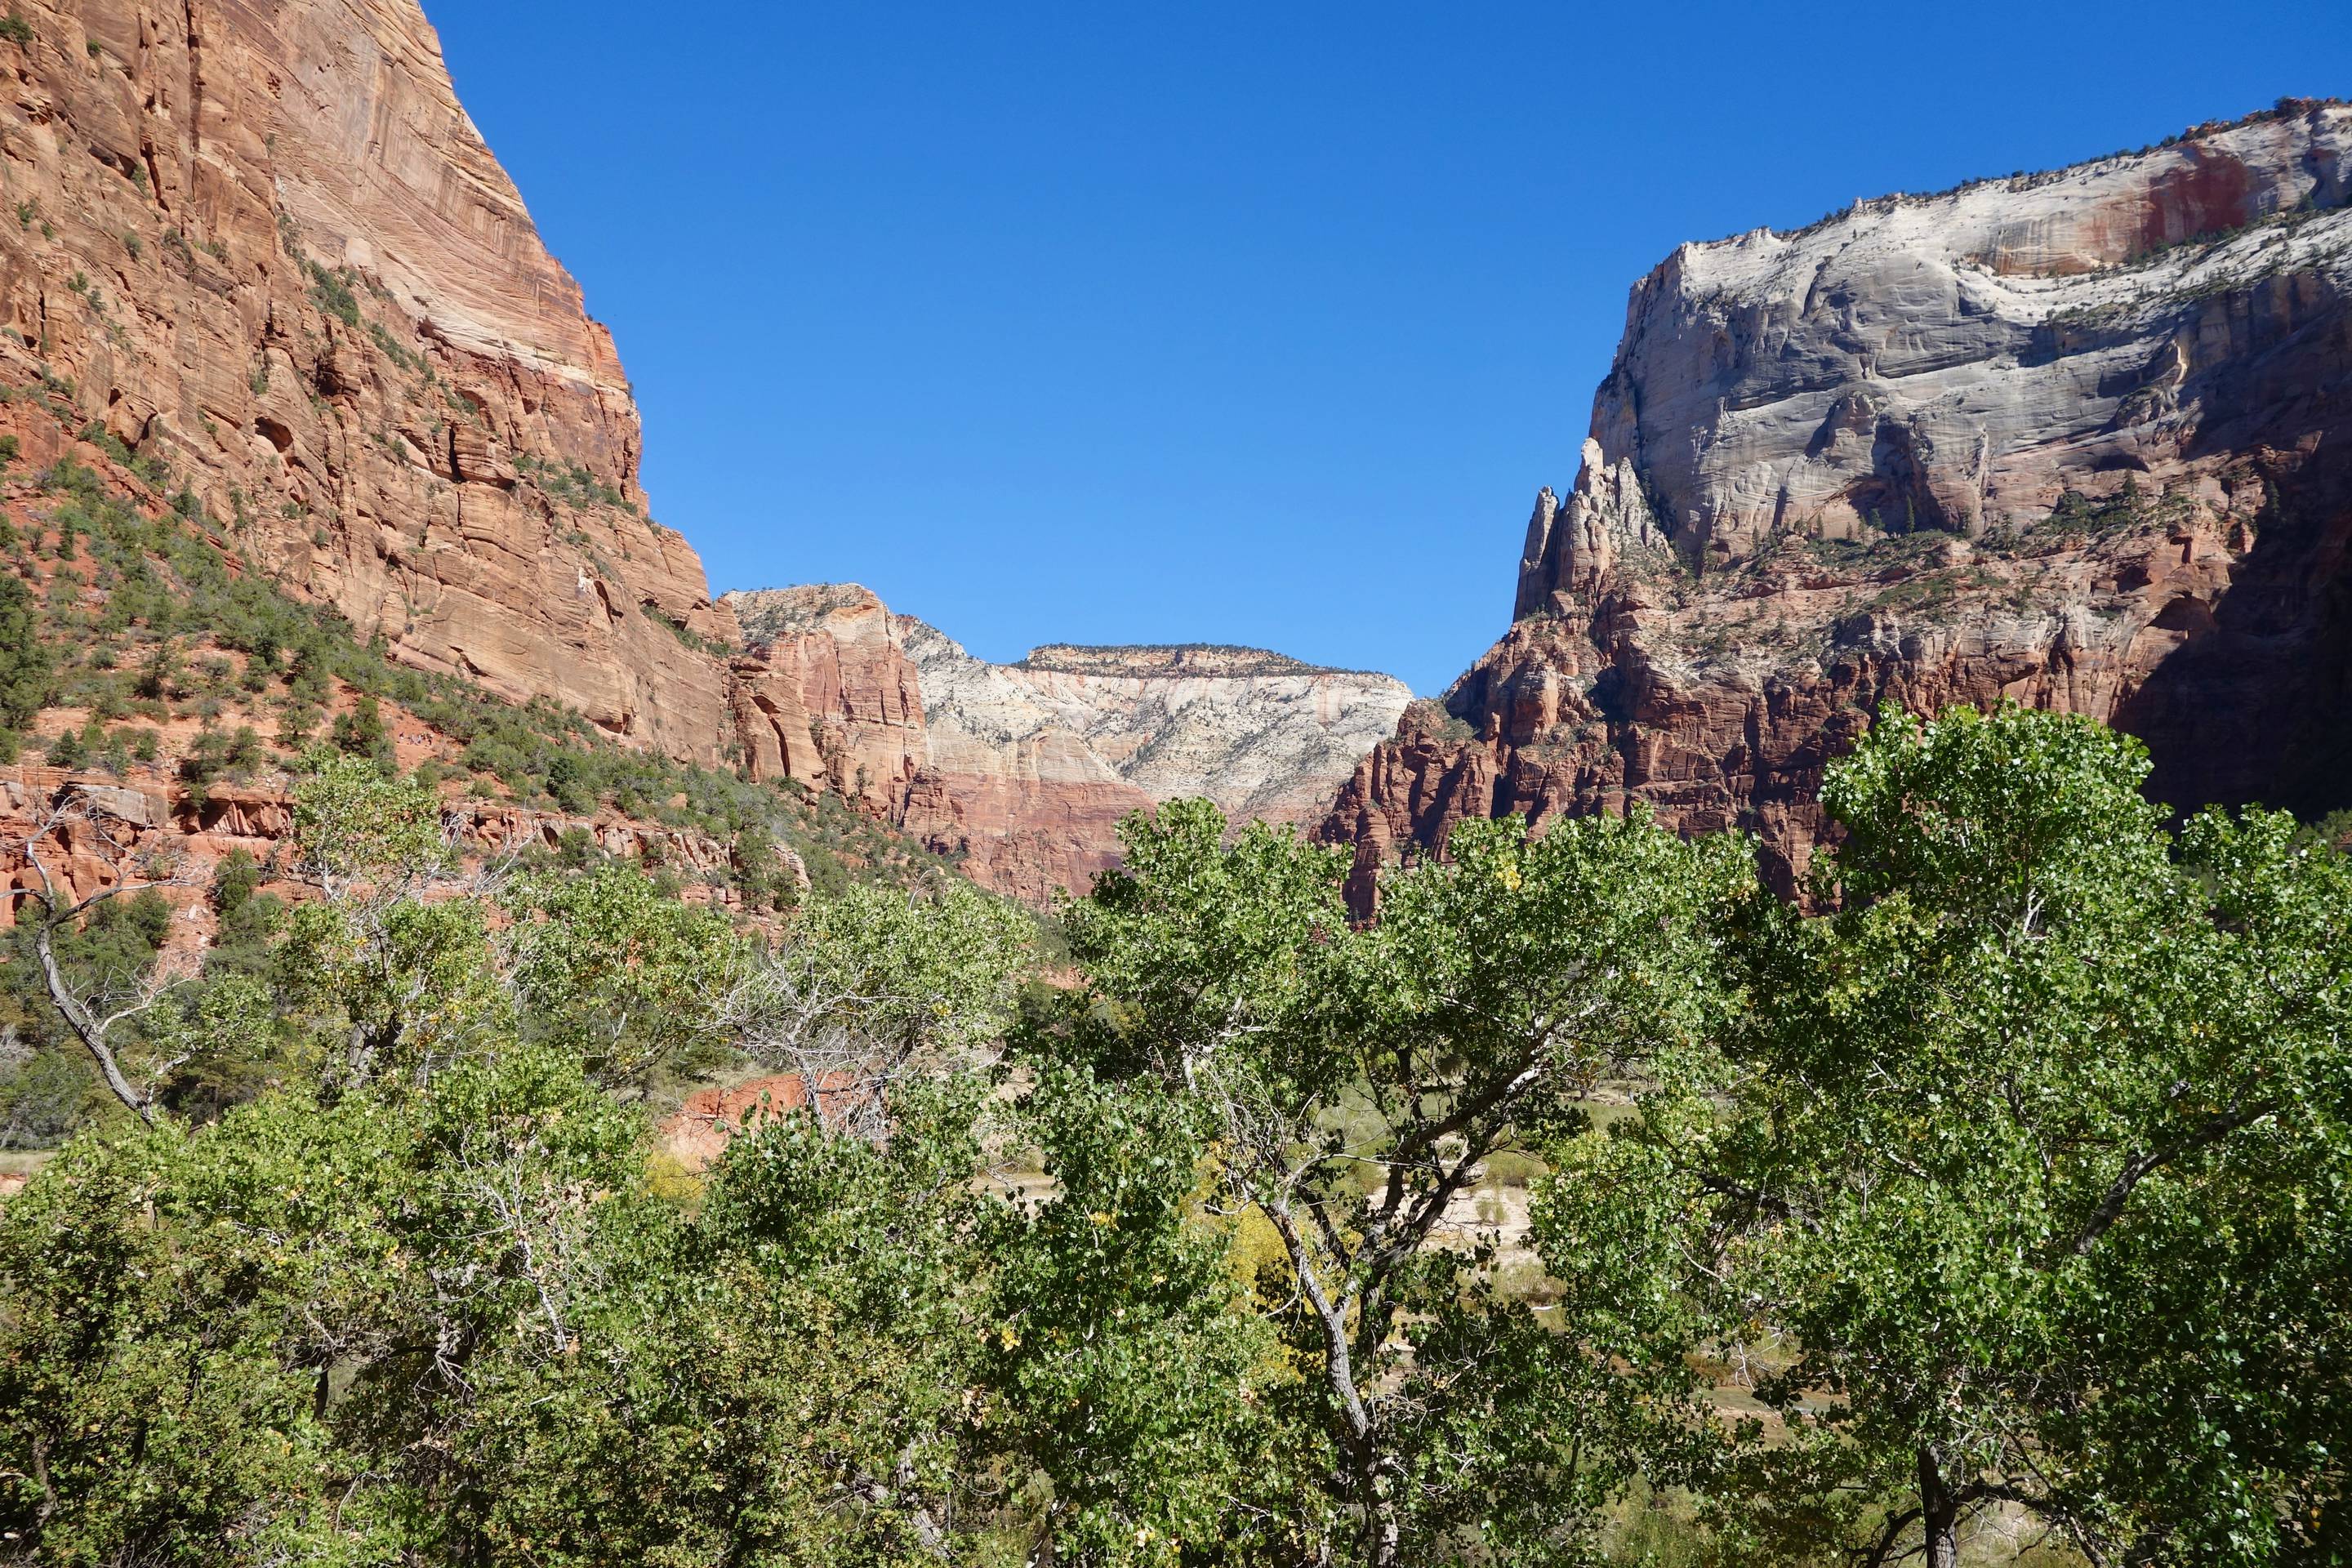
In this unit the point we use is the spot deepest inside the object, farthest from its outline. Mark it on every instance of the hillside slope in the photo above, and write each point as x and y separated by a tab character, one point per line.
263	247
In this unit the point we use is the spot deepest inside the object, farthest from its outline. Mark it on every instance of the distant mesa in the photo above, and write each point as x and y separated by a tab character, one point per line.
1024	772
1145	660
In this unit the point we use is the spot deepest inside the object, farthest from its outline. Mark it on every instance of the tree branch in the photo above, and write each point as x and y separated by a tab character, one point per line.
1757	1198
2211	1131
1876	1556
56	912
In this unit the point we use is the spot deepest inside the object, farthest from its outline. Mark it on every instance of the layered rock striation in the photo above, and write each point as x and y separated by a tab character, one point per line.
825	694
1033	765
264	248
1024	771
2075	439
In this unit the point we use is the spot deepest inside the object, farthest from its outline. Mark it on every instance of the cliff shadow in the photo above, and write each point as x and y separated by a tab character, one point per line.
2255	708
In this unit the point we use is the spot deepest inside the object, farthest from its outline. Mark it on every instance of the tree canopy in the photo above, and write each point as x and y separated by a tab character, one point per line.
1987	1204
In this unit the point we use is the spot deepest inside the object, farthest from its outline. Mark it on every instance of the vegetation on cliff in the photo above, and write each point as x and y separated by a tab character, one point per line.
2002	1199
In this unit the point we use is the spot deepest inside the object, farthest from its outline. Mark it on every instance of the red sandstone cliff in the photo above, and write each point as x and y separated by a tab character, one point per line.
262	245
2083	440
259	244
825	694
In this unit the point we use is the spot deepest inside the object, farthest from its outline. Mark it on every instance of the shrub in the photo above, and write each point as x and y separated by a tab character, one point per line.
24	661
360	732
236	880
331	292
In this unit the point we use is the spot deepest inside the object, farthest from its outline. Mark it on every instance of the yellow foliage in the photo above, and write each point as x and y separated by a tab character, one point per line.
671	1179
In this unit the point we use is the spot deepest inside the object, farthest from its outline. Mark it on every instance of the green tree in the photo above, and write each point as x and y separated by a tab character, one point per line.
1131	1376
266	1338
391	959
25	662
781	1376
236	879
359	730
1347	1086
2022	1176
94	954
451	1313
874	984
621	975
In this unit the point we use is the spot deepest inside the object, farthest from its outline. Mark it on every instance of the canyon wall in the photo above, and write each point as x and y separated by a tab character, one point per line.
2079	439
1024	771
824	694
262	260
261	246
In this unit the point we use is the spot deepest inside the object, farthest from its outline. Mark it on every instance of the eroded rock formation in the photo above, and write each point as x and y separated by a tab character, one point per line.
102	828
2081	440
825	694
264	247
1025	771
1031	766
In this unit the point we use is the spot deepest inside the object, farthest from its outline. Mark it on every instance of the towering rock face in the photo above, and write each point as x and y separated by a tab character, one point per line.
262	245
2077	439
261	256
1025	771
825	694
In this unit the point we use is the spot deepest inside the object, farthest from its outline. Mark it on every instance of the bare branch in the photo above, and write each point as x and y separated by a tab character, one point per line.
1758	1199
59	912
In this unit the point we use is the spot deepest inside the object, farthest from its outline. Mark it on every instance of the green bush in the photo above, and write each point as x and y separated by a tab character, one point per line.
234	880
27	661
360	732
331	292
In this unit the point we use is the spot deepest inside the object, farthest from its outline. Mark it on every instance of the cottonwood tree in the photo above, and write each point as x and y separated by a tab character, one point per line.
2020	1184
393	955
617	970
450	1309
1346	1086
874	984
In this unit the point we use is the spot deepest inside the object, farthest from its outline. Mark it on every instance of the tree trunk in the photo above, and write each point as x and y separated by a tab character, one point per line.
1939	1515
1357	1439
1381	1547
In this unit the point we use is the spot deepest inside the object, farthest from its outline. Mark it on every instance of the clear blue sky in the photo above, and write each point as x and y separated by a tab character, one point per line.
1235	323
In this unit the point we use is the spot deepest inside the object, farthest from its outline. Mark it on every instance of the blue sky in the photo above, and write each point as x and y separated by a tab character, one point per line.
1232	322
